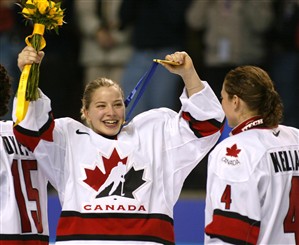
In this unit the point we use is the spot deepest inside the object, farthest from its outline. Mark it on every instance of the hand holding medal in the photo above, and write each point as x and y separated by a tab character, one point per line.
166	62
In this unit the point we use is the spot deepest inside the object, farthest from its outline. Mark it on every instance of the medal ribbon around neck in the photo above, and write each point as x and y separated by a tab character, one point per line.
22	103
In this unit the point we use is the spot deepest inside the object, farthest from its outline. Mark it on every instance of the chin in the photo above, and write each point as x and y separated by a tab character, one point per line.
113	132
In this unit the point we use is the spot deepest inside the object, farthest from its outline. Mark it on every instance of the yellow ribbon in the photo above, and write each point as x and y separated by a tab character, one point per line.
22	103
37	29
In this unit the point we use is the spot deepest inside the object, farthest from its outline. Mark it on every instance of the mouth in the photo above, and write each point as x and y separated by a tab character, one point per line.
111	122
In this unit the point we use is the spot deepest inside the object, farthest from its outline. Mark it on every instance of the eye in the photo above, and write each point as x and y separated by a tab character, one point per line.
100	106
118	104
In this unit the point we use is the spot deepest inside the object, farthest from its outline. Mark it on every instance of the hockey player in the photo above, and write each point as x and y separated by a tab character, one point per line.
253	175
23	187
119	184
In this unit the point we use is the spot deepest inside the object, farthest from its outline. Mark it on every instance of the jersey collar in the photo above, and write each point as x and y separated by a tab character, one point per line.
251	123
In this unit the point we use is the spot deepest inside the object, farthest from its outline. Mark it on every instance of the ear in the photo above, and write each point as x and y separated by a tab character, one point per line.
86	114
236	102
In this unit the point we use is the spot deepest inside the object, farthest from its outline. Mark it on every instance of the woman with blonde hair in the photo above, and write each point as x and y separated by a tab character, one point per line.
148	158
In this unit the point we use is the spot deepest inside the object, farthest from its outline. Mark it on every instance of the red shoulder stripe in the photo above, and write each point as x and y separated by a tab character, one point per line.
30	138
203	128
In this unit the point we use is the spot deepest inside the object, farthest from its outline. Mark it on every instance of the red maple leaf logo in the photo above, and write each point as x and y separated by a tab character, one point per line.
233	151
95	177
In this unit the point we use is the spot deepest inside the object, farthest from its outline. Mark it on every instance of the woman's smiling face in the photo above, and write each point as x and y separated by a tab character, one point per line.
106	111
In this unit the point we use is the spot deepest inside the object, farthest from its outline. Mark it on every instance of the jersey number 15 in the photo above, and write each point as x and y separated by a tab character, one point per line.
32	194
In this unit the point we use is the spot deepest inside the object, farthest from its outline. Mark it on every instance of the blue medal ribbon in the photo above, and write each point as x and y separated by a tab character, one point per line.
141	85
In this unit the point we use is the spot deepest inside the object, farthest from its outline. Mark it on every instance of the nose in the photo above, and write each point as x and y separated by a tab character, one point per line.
110	110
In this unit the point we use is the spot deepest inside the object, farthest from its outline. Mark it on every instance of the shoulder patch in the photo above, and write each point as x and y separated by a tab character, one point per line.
231	156
232	151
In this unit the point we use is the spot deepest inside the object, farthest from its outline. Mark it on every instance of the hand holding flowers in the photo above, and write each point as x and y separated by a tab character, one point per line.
44	15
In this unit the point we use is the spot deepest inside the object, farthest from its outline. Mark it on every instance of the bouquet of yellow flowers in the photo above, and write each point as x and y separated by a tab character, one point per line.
44	15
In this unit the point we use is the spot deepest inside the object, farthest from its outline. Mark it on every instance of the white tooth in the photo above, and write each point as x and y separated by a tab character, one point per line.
110	122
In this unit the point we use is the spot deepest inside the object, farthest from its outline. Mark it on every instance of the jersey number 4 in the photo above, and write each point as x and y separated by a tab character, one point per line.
32	194
291	221
226	197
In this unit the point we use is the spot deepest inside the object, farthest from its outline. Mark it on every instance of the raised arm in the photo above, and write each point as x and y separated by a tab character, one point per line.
186	70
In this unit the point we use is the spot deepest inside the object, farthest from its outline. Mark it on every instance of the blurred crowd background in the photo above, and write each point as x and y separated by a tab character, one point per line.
119	39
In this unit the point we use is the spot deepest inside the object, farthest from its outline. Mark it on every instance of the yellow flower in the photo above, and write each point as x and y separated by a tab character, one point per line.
52	4
48	14
53	11
42	5
28	12
59	20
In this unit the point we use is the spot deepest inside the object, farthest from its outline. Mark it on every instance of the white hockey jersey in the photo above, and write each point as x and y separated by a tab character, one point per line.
122	190
23	193
253	187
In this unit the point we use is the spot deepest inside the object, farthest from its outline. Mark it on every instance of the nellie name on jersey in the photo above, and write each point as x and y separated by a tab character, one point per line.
285	161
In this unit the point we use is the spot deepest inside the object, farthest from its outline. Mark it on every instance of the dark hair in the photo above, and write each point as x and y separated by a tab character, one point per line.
91	87
254	86
5	90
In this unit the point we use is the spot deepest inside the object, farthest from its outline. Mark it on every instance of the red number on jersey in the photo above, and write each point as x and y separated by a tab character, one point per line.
226	197
32	194
291	221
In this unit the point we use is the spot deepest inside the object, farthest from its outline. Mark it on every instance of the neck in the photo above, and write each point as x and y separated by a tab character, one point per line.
113	137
